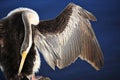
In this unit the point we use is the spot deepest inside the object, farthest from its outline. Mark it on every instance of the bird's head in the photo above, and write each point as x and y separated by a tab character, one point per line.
29	18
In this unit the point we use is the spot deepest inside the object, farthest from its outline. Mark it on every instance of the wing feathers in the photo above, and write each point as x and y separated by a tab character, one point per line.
82	12
67	37
92	53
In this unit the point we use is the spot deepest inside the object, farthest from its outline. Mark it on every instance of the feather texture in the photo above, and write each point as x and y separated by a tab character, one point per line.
69	36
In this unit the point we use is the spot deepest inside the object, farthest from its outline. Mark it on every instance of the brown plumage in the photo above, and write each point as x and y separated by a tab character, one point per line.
61	40
69	36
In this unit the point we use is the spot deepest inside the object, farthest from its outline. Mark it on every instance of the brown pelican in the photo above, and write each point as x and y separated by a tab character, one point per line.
61	41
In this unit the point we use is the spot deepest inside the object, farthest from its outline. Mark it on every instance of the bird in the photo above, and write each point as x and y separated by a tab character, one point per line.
61	41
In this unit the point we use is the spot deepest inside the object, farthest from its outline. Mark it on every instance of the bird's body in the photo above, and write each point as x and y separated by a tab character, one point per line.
11	38
61	41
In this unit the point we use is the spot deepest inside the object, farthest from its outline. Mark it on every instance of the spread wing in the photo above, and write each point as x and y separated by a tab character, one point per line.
67	37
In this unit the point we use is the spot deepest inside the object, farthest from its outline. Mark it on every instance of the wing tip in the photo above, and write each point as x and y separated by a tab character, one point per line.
90	16
86	14
97	62
96	65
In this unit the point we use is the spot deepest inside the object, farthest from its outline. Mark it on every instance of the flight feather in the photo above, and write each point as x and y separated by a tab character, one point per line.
67	37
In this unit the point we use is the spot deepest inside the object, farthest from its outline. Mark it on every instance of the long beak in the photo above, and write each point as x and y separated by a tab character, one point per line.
29	17
24	54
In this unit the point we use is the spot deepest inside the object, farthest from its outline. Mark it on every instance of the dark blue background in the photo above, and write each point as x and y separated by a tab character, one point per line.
107	29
